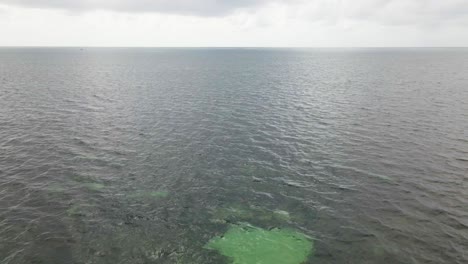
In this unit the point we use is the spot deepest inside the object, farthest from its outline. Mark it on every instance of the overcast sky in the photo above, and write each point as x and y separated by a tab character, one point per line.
194	23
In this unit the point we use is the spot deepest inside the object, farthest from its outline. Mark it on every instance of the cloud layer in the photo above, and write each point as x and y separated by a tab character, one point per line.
184	7
382	11
234	22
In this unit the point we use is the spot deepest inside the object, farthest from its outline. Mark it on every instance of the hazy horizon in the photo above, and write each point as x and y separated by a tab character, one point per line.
248	47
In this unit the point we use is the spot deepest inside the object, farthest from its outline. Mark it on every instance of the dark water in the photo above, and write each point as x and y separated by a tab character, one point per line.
143	155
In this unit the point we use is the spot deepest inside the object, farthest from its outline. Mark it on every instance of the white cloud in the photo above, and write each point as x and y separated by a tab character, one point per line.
240	23
185	7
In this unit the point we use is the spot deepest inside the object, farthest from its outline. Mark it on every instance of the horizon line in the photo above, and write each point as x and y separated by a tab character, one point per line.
236	47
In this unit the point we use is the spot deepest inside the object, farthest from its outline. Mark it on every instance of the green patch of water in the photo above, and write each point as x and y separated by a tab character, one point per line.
150	194
94	186
79	209
74	210
88	182
247	214
56	189
246	244
283	215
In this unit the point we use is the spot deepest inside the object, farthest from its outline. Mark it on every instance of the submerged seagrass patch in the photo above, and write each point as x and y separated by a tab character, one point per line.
246	244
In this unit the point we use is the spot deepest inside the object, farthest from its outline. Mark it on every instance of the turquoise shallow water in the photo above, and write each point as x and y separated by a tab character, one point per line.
145	155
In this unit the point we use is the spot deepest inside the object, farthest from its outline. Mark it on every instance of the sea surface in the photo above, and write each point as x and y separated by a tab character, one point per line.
144	155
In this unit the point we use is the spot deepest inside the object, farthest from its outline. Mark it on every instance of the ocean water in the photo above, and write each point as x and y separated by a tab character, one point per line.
145	155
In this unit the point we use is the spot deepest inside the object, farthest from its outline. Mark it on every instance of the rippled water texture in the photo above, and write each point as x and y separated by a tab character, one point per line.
145	155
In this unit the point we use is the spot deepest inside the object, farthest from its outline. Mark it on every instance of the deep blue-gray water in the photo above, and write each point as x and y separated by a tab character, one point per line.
144	155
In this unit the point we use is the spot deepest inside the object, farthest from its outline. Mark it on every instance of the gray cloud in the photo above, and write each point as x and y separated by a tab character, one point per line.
183	7
387	12
393	12
431	13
